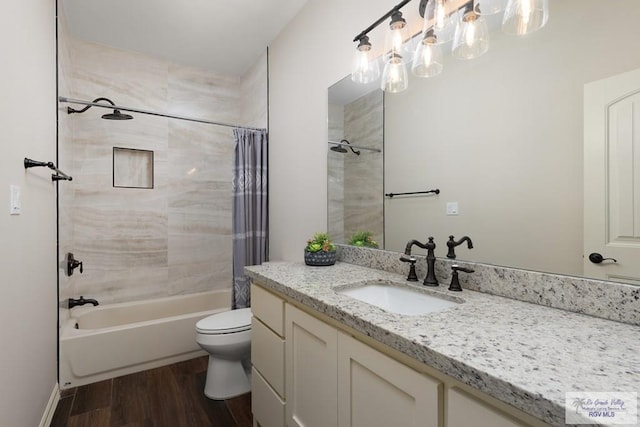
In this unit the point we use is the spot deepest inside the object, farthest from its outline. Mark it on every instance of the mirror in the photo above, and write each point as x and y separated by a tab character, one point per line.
355	162
502	137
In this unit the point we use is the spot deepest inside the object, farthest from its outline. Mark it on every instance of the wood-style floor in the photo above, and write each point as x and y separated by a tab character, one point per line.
170	396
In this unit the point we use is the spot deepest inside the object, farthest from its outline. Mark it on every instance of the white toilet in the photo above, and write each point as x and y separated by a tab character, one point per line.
227	338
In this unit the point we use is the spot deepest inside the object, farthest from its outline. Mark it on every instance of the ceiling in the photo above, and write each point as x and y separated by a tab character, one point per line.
223	36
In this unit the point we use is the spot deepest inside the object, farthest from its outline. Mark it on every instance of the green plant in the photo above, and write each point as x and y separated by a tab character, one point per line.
320	242
363	239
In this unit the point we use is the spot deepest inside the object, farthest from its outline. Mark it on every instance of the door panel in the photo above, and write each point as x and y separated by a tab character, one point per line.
612	177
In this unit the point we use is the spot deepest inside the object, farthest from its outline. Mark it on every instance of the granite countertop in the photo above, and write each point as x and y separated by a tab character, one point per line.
523	354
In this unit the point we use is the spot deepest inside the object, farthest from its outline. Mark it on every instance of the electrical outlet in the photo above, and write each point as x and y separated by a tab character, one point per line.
15	207
452	208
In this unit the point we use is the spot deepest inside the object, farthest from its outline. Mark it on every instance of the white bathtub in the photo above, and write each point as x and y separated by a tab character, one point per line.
107	341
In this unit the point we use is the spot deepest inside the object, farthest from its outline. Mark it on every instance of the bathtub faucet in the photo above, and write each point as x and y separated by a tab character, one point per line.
81	301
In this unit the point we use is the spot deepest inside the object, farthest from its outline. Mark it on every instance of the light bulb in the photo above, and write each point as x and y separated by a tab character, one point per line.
437	18
394	76
472	36
523	17
427	61
364	69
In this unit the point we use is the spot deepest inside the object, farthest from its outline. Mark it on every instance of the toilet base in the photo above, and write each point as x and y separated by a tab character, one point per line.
226	379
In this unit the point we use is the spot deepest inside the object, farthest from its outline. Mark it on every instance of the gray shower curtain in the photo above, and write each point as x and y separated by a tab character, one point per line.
249	208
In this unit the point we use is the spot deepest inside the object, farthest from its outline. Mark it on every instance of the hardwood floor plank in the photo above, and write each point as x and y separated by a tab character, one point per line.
240	408
165	398
91	397
96	418
130	403
63	410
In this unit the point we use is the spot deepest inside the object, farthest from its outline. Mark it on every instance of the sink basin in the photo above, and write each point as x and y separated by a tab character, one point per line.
398	298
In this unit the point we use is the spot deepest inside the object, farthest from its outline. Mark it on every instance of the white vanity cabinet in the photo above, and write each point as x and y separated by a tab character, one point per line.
310	371
267	357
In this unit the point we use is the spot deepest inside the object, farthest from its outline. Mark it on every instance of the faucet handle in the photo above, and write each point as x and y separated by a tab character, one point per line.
412	277
455	282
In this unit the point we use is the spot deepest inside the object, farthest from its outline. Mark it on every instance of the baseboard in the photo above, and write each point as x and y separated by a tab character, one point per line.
47	417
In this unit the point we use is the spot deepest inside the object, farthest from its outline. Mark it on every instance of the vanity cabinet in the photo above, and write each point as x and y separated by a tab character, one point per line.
464	410
311	367
376	390
311	372
267	357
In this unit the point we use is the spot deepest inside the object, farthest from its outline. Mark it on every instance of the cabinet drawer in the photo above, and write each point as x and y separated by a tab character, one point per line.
267	407
268	308
267	355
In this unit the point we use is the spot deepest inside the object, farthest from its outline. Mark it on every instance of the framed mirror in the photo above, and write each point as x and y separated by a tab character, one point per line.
502	136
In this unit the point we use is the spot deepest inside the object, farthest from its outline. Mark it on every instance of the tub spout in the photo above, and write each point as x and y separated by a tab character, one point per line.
82	301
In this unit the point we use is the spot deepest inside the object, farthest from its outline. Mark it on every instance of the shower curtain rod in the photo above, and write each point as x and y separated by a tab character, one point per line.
377	150
151	113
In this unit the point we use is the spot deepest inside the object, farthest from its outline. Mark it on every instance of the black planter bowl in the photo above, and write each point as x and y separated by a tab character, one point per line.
320	259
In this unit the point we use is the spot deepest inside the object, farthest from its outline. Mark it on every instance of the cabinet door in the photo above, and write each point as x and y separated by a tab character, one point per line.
311	354
375	390
464	411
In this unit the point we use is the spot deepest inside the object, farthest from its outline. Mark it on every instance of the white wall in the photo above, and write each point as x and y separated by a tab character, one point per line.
28	303
312	53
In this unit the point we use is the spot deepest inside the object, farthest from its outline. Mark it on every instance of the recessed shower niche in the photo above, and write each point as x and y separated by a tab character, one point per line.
132	168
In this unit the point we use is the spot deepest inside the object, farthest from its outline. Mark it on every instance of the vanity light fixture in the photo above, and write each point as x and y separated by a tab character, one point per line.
444	20
394	76
472	34
365	68
427	61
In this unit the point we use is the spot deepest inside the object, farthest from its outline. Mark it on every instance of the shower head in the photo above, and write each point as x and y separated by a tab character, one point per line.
116	115
341	147
338	149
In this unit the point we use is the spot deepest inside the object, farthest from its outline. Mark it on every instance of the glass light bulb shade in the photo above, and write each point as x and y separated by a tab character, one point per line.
364	68
397	43
427	61
437	18
522	17
394	76
489	7
472	37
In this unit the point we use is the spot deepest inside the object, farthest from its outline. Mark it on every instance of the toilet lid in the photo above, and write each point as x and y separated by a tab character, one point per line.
226	322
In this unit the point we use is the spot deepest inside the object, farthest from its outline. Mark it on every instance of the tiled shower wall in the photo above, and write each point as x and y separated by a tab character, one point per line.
175	238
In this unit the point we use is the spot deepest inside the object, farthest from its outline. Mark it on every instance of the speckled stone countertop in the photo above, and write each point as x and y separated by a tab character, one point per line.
523	354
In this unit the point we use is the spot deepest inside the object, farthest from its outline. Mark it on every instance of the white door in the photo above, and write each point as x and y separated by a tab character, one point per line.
612	177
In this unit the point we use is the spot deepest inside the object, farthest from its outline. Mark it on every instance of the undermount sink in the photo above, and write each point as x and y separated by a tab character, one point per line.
397	298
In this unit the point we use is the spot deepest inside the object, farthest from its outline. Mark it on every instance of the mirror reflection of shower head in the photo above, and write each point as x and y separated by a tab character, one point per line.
341	149
116	115
338	149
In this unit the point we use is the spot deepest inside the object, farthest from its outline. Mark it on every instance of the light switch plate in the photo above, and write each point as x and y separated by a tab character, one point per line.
452	208
15	207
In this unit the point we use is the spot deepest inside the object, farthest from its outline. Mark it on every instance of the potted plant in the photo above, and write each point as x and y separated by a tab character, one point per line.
363	239
320	251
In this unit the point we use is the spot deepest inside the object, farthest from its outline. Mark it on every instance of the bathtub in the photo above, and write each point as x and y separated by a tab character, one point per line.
107	341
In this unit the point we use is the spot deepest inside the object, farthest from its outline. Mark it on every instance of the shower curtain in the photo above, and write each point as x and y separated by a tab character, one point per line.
249	208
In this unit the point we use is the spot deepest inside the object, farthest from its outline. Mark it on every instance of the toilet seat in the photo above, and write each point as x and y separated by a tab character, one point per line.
227	322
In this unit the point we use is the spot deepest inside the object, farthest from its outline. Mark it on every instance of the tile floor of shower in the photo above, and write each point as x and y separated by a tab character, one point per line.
169	396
